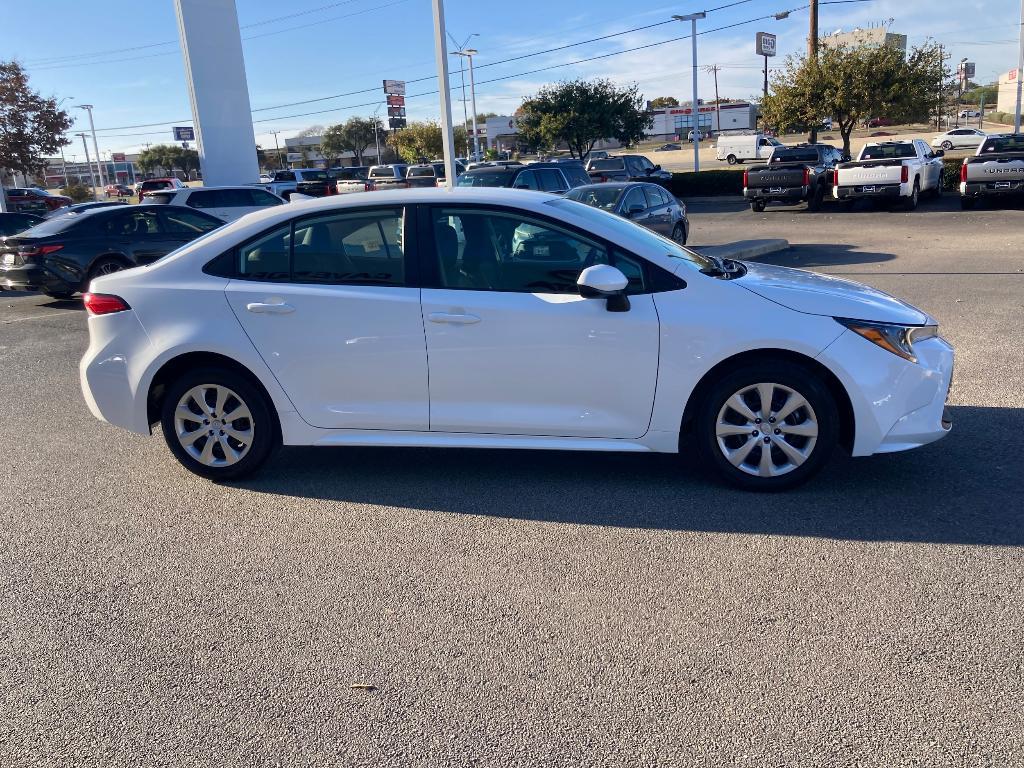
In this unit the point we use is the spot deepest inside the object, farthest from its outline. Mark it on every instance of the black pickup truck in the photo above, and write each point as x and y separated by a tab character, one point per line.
795	174
997	170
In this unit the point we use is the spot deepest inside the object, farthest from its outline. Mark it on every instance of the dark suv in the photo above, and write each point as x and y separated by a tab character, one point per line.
556	178
626	168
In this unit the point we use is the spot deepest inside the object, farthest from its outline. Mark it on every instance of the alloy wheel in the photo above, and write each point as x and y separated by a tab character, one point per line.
214	425
766	429
107	268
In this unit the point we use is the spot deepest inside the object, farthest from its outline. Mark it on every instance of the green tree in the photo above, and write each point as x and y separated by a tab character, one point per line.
851	84
422	140
974	96
354	135
664	101
581	113
77	191
31	126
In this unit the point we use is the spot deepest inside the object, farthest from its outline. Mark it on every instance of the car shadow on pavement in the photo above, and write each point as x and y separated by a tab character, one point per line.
964	489
807	255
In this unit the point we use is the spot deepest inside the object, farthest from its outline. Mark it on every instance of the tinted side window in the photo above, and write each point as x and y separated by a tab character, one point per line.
634	199
134	224
187	223
262	197
654	198
527	180
363	248
266	259
551	180
284	176
577	176
234	198
203	198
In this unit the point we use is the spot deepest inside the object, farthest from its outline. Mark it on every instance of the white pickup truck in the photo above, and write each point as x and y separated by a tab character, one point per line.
891	170
996	170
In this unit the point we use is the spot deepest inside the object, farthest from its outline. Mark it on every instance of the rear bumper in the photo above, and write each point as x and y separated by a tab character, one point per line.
776	194
116	343
33	277
888	191
992	188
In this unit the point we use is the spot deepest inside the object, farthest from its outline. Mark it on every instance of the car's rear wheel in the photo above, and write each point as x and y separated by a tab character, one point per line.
731	159
768	427
679	234
947	145
757	206
814	204
938	185
218	424
915	197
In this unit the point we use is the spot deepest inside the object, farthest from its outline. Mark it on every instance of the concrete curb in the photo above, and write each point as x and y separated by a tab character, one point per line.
744	249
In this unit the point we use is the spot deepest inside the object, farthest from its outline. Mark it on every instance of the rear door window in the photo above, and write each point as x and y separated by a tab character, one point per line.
134	224
527	180
188	223
551	180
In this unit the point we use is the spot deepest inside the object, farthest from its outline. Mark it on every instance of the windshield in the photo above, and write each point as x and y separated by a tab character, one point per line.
794	156
633	232
887	152
155	185
608	164
1013	143
603	197
488	179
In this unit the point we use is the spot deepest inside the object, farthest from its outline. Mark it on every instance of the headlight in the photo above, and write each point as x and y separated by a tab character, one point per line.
898	339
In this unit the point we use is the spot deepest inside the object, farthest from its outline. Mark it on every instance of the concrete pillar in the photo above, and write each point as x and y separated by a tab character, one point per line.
215	74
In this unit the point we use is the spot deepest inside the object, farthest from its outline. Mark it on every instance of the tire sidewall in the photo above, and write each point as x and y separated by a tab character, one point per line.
265	425
679	230
792	375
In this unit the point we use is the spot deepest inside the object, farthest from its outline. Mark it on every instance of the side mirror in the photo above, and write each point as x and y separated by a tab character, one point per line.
939	153
847	158
603	281
634	210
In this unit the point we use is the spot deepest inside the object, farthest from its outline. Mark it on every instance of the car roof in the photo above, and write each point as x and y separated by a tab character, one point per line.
620	185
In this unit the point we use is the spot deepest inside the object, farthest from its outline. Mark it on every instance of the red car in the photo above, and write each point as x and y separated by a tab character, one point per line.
880	122
151	185
34	199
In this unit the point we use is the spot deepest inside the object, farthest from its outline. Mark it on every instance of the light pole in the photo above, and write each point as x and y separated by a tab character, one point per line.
88	164
462	76
64	166
441	57
277	149
961	72
376	132
1020	71
692	18
469	53
95	146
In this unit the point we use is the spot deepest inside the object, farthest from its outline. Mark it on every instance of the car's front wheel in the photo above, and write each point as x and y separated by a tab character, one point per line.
218	424
768	427
947	145
758	206
679	234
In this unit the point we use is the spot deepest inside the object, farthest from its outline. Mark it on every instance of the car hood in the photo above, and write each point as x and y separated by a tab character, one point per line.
816	294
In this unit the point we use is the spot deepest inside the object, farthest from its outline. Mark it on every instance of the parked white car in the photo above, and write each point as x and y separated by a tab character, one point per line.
891	170
959	138
226	203
549	325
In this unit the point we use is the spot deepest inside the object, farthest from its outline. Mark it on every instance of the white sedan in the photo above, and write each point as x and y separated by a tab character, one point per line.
959	138
493	318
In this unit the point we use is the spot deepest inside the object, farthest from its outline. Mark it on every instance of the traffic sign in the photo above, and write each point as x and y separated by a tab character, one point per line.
184	133
394	87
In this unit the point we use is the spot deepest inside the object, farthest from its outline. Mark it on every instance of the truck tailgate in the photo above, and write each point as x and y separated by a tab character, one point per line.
869	172
985	170
779	176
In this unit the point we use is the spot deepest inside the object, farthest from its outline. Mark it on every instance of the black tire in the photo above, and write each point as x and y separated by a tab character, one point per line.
967	203
262	424
758	206
814	204
106	266
937	193
947	145
679	234
915	197
59	295
731	160
783	374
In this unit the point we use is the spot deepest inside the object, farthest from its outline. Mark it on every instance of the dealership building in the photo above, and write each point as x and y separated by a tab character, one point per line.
1008	92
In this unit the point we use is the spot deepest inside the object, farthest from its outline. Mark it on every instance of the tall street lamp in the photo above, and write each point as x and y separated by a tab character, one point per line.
95	145
441	58
462	76
692	18
88	164
469	53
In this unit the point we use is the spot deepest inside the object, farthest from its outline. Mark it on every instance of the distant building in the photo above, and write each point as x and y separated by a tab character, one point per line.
1008	92
676	122
305	153
120	171
872	37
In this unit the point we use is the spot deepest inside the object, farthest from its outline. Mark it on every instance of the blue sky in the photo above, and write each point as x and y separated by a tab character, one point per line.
123	57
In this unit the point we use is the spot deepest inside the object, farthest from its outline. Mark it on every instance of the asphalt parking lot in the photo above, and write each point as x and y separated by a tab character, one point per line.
414	607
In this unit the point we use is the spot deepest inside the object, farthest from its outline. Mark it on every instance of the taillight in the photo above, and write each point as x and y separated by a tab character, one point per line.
38	250
367	186
746	178
807	177
832	177
104	303
905	174
963	173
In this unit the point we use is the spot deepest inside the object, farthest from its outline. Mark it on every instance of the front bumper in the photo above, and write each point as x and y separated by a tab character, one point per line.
897	405
888	191
790	195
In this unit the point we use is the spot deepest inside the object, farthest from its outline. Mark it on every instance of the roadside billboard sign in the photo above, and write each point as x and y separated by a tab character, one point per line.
765	44
184	133
394	87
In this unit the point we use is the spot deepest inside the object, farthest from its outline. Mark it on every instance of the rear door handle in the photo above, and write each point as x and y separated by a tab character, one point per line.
452	319
260	308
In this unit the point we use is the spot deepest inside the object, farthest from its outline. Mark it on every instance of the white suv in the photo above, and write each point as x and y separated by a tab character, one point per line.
226	203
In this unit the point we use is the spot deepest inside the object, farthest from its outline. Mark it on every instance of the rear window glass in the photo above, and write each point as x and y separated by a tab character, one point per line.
426	170
1003	144
53	226
603	196
314	175
352	175
382	173
487	179
147	185
888	152
608	164
794	156
159	198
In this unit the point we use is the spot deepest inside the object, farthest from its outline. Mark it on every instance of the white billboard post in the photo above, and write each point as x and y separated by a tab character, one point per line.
211	45
441	54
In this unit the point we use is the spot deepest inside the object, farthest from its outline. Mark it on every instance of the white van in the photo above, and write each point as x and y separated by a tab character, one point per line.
748	146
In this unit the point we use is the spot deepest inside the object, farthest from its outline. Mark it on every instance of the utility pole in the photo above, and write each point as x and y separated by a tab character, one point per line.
277	148
1020	71
441	57
812	54
714	69
692	18
88	164
462	75
64	166
942	64
95	145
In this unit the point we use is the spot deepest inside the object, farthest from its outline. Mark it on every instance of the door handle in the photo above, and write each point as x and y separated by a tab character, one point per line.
452	319
260	308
